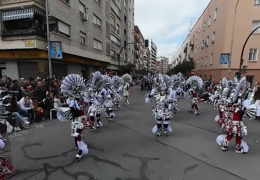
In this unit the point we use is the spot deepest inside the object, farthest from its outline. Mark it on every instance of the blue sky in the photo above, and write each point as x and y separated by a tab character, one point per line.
167	22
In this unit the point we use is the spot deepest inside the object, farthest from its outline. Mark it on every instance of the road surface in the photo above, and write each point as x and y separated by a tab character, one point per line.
127	150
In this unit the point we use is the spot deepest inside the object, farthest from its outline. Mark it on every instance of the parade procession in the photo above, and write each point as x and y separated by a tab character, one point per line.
91	104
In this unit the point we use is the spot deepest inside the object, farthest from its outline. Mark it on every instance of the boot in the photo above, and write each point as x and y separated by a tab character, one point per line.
165	132
224	146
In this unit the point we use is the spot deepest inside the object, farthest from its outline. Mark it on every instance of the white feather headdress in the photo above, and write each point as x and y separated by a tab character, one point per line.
73	85
126	78
97	79
116	81
195	81
240	88
106	79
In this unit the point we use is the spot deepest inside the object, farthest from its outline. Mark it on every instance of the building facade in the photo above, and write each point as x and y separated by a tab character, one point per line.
164	65
158	66
152	48
182	53
88	38
140	54
211	39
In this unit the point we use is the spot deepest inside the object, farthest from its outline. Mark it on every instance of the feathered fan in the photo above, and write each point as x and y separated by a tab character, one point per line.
195	81
241	87
106	79
73	85
168	80
127	78
116	81
97	79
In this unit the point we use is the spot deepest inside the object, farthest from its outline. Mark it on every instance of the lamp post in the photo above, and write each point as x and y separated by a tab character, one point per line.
119	55
48	38
243	49
232	40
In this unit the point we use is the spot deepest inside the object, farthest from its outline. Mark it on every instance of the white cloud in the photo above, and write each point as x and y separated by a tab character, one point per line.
167	21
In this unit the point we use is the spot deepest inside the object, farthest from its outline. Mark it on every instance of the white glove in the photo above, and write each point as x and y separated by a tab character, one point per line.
147	100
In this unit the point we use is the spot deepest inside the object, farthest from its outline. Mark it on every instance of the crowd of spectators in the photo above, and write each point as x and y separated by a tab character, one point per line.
32	100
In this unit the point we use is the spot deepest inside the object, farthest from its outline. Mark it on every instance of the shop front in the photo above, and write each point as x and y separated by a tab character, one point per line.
32	63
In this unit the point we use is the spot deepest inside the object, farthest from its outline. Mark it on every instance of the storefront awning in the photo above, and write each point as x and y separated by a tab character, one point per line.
21	13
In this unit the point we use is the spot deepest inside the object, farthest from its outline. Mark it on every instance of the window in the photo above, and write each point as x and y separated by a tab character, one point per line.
201	61
97	45
66	1
96	20
206	61
82	8
209	20
116	9
63	29
113	54
204	26
115	40
207	41
98	1
255	24
213	37
215	14
117	27
211	59
257	2
83	38
125	55
253	55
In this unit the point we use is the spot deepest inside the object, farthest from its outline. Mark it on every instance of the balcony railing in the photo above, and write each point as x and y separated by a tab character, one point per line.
26	32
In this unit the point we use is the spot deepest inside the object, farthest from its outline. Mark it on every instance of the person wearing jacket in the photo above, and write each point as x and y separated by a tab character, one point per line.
26	108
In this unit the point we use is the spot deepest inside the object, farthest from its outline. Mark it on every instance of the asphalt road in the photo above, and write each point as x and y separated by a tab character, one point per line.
127	150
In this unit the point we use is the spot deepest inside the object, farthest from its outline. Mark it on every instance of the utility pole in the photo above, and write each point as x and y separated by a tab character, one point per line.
232	40
48	38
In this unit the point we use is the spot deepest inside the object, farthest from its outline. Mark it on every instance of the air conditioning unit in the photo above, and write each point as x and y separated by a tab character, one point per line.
118	31
84	17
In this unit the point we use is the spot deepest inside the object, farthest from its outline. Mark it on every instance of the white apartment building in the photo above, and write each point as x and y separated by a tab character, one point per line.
182	53
152	48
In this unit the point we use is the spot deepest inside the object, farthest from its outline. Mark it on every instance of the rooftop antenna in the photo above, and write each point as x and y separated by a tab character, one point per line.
191	23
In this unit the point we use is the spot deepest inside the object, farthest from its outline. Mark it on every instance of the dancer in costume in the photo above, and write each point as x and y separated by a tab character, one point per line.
109	96
195	83
74	86
6	166
98	97
162	110
233	124
116	88
127	79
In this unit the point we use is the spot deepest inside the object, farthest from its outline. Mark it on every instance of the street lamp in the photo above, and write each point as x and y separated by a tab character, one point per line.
48	38
232	40
243	49
119	55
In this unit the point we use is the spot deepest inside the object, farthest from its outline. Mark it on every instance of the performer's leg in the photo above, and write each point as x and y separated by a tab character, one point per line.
159	127
81	145
225	142
92	119
239	148
111	115
98	117
165	126
196	109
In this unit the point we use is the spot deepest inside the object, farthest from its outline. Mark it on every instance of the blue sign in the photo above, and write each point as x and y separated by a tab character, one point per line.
56	49
224	59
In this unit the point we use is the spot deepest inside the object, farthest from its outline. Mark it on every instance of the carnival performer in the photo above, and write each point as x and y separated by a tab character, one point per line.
116	88
98	97
195	83
162	110
109	96
126	79
74	86
233	124
6	166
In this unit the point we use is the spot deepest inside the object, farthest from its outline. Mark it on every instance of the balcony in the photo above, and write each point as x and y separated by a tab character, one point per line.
26	32
190	56
23	22
191	43
113	28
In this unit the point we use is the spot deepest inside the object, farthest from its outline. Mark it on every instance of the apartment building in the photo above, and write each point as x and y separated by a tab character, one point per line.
152	48
211	39
140	52
158	66
182	53
82	34
164	65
